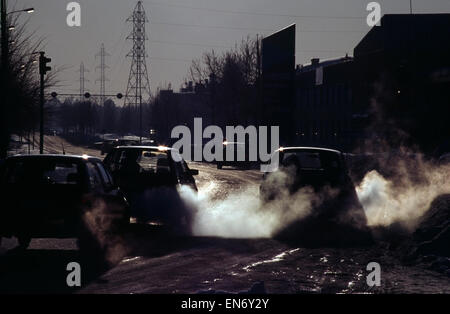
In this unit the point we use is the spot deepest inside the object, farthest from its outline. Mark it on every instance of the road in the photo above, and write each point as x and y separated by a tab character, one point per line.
149	259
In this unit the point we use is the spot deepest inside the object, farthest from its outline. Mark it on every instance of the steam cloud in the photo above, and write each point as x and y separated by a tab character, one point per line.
99	221
242	214
401	196
406	195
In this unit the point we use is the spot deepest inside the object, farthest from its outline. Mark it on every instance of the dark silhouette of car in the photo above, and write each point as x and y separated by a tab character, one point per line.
108	145
240	155
151	178
60	196
324	174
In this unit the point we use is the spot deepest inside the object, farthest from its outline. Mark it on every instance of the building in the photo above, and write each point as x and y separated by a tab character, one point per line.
172	109
278	71
402	79
395	89
323	103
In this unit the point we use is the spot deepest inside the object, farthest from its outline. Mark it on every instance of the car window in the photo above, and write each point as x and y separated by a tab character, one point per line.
105	176
48	171
305	160
311	160
94	176
116	156
154	161
62	173
110	157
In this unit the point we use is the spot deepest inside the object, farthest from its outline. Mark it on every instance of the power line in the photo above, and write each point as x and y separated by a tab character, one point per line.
319	50
257	29
214	26
255	13
188	44
170	59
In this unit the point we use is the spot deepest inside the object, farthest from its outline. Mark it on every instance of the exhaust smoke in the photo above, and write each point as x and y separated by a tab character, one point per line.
242	214
403	196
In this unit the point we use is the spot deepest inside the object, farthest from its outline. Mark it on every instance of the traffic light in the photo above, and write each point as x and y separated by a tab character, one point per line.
43	67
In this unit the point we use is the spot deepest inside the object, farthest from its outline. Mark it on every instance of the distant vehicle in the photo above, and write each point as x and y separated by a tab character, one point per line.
49	196
324	173
238	149
108	145
151	178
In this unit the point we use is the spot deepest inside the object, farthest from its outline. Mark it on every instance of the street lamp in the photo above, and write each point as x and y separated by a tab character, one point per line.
29	10
4	31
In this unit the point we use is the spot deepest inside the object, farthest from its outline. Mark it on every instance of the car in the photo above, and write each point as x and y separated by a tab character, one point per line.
151	179
60	196
238	149
108	145
324	173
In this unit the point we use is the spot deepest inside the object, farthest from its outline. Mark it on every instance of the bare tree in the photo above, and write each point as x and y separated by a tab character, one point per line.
20	86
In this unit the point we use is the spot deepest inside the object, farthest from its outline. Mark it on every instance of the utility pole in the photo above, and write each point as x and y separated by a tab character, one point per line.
138	82
43	69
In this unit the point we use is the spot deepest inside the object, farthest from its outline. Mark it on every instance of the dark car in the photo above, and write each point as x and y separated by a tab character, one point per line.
108	145
324	172
240	155
59	196
151	178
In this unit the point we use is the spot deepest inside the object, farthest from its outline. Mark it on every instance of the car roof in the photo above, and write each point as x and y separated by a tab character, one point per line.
158	148
55	156
310	148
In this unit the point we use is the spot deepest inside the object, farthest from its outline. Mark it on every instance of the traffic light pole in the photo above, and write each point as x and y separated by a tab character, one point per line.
43	69
41	114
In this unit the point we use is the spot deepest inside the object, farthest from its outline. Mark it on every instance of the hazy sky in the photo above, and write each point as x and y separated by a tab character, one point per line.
180	30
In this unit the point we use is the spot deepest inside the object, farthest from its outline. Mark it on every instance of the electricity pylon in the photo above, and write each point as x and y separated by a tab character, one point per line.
102	54
138	82
82	71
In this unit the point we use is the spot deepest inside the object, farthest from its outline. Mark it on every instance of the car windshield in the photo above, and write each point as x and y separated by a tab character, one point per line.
42	172
154	161
310	160
146	160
